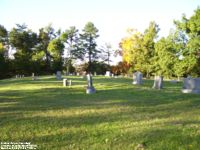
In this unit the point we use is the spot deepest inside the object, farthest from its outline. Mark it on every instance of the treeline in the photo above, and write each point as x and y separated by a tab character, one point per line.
51	50
176	55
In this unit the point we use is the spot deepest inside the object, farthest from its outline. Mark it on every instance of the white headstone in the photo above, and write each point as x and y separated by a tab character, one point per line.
108	74
33	76
64	82
70	83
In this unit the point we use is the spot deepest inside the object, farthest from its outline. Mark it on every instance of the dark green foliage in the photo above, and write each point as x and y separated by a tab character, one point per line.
191	52
4	47
71	38
3	35
88	44
177	55
23	40
55	49
99	68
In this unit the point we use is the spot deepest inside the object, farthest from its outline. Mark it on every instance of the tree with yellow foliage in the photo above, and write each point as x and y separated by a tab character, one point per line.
138	49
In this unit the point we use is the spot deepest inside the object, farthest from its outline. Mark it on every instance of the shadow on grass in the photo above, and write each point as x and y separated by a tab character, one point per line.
116	102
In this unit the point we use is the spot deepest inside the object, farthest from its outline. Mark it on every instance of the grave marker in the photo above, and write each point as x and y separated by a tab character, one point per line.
137	78
191	85
90	89
158	82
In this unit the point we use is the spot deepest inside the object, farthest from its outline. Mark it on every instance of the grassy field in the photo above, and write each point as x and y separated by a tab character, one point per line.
120	116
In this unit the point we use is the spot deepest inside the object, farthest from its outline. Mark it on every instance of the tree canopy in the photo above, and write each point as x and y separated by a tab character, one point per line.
49	50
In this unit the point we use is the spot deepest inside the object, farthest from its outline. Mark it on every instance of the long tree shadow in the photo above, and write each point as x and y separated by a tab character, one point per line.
41	114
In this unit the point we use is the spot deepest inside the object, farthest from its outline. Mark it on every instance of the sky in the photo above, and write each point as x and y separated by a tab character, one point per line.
111	17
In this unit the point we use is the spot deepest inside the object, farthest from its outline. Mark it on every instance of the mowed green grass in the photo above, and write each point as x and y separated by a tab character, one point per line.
120	116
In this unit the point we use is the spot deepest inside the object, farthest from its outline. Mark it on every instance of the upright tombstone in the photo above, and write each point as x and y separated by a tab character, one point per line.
83	75
90	89
191	85
58	75
69	83
158	82
33	76
64	82
137	78
108	74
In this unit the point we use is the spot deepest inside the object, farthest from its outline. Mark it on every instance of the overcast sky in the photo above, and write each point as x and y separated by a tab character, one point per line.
111	17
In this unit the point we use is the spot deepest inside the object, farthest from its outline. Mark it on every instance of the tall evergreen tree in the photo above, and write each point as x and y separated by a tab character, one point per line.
4	47
88	44
70	38
23	41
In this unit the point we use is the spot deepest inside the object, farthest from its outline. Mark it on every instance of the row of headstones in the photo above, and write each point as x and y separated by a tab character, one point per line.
108	74
89	89
19	76
65	81
190	85
22	76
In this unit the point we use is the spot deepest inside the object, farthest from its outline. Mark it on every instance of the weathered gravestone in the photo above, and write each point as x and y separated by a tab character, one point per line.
108	74
191	85
83	75
90	89
33	76
158	82
58	75
137	78
69	82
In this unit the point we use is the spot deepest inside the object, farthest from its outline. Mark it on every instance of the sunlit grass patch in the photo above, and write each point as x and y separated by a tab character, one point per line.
119	116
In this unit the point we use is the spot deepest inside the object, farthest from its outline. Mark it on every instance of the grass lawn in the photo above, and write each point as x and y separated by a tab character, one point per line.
120	116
